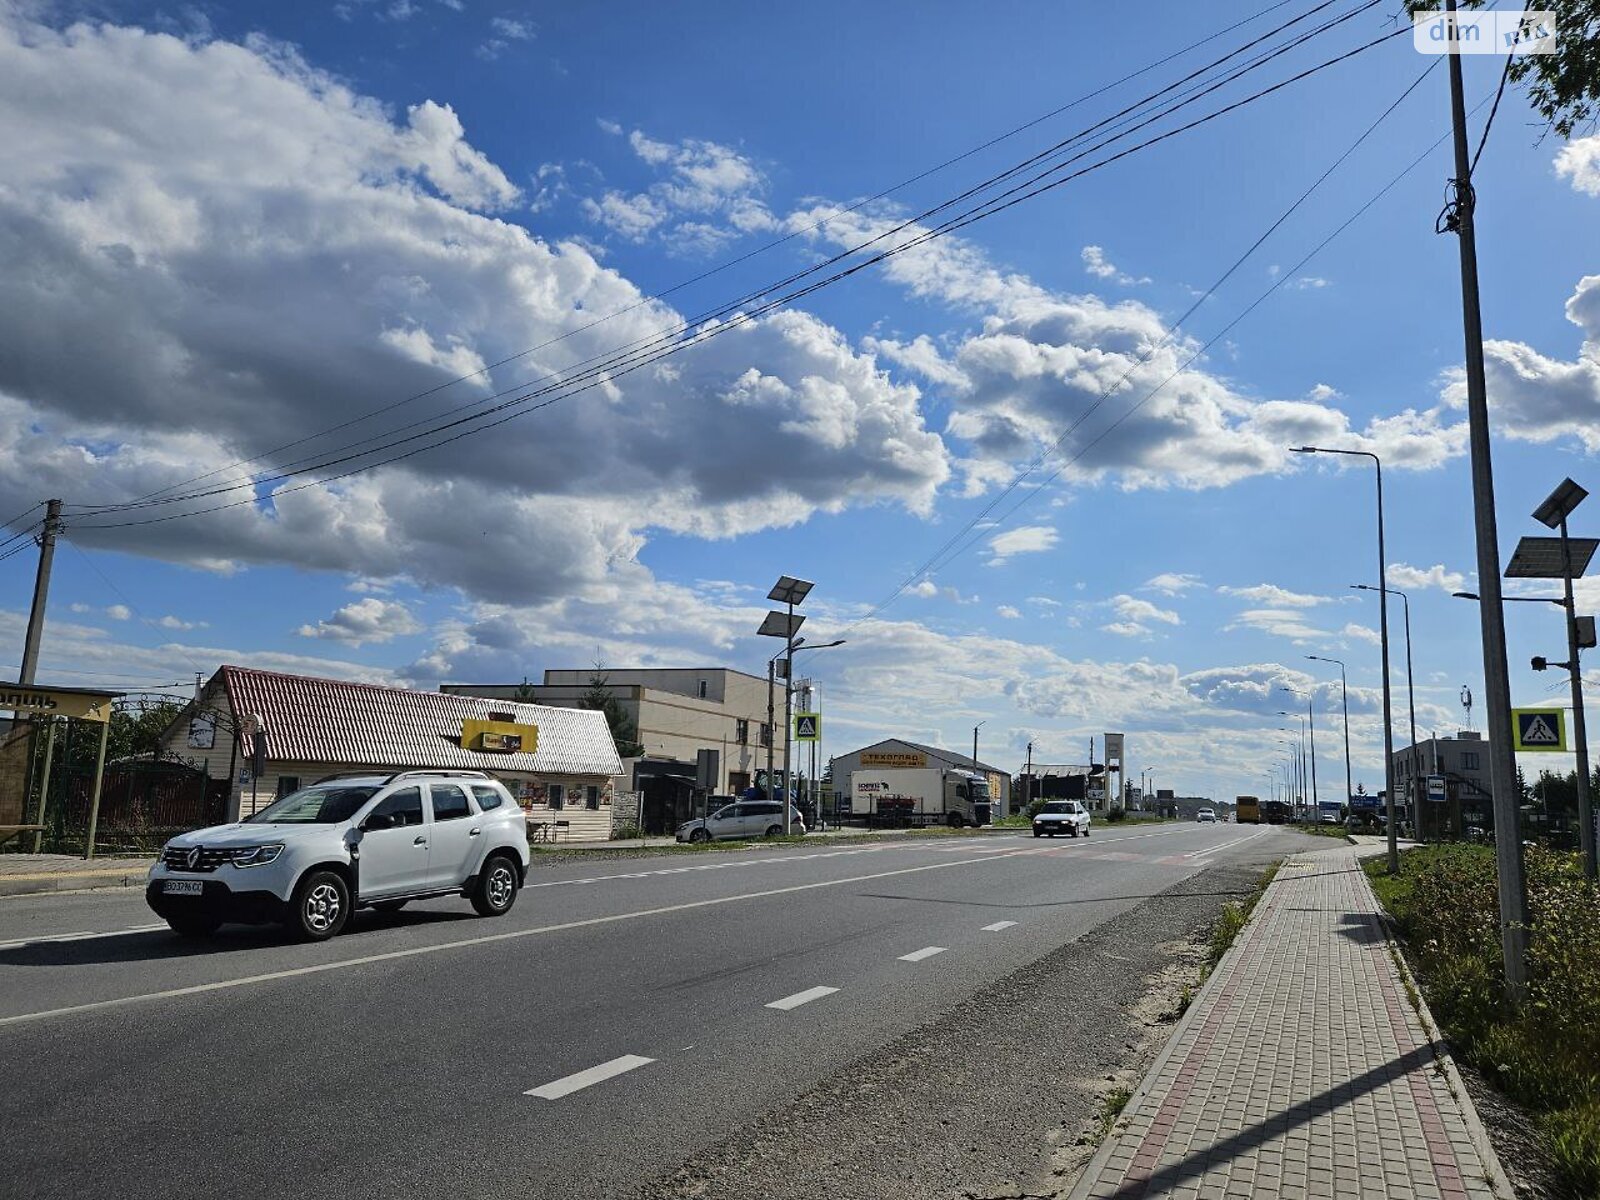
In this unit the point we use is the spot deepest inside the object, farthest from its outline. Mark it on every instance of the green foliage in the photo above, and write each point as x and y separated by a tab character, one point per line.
1036	807
1113	815
1547	1054
623	833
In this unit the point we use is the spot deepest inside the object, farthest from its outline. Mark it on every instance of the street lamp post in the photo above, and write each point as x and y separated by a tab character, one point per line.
1344	695
1383	631
1411	701
789	592
1311	722
1553	513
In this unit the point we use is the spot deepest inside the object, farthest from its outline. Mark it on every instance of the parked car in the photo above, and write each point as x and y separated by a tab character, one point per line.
746	819
1061	816
365	841
1206	816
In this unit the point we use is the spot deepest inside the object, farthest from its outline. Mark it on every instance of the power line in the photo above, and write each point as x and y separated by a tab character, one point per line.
940	559
627	364
771	245
1505	74
106	579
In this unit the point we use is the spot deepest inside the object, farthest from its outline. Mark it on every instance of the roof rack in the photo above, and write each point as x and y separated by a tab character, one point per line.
392	776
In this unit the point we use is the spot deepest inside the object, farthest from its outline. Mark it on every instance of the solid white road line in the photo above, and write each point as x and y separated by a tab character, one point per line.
1209	850
716	866
799	998
487	939
594	1075
919	955
81	936
998	926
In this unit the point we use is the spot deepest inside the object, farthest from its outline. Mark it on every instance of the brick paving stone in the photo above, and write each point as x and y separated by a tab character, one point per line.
1301	1070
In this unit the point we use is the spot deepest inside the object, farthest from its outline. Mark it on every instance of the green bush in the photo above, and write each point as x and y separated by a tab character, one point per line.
1547	1054
626	832
1036	807
1113	815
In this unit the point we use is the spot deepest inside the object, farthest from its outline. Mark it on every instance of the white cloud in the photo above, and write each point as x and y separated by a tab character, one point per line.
119	612
1361	634
1308	283
1173	584
1096	264
1271	593
1025	539
710	194
926	588
1044	601
1009	612
171	622
1131	608
1288	623
1579	161
514	28
1125	629
1404	576
365	621
220	324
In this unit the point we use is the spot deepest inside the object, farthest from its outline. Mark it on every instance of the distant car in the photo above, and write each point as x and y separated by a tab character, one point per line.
368	841
1206	816
1061	816
745	819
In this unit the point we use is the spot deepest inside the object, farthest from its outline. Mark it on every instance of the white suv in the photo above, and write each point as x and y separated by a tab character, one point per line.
347	842
1061	816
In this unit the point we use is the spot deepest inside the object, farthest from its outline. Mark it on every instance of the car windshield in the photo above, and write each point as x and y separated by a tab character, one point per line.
1058	806
324	804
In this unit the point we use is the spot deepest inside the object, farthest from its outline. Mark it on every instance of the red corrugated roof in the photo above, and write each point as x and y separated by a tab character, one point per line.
338	723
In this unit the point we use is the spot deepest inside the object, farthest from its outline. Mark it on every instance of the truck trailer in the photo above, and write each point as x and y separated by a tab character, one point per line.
915	796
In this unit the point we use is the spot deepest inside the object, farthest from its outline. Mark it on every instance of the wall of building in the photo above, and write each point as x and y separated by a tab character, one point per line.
844	765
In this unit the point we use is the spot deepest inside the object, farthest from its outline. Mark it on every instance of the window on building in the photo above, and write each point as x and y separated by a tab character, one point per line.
591	796
558	796
701	689
741	731
766	734
1469	760
287	784
449	802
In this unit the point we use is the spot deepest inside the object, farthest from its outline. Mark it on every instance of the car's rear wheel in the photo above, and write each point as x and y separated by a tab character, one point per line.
194	927
774	831
389	906
321	906
497	887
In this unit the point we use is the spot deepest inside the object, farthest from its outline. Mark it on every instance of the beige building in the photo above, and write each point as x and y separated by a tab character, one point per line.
677	712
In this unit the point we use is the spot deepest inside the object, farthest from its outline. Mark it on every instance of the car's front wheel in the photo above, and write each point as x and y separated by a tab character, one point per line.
1038	833
699	835
497	887
321	906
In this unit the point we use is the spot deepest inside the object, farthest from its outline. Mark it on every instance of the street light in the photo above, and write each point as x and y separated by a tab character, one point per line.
1553	514
1383	632
1300	750
1344	695
788	591
1411	699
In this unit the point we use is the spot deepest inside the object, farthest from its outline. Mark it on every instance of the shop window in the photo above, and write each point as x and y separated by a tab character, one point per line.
766	734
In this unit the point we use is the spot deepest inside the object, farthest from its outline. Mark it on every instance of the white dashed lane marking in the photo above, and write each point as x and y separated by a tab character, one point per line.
576	1083
998	926
919	955
80	936
799	998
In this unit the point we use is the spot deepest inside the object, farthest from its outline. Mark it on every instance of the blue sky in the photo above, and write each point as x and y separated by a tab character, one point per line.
236	228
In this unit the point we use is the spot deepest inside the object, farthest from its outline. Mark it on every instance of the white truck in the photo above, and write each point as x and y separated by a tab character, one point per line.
907	796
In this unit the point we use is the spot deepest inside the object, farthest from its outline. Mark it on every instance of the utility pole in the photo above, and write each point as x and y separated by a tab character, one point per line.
1502	760
41	593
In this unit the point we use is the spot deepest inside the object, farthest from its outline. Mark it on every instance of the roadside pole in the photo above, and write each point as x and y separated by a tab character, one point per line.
44	786
94	799
1580	732
41	593
1502	761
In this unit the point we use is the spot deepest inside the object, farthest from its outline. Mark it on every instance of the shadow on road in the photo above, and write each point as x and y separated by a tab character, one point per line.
157	944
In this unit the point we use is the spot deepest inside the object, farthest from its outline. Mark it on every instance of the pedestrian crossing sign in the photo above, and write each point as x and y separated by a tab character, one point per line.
808	727
1539	729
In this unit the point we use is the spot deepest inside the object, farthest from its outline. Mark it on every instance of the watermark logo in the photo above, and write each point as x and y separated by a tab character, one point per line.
1529	31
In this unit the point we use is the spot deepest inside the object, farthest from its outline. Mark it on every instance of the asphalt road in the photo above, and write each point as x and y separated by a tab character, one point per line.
624	1017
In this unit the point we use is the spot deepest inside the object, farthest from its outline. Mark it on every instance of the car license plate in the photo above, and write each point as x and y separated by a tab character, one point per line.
183	887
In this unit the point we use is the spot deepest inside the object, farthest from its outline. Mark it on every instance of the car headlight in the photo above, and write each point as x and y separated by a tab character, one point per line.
257	856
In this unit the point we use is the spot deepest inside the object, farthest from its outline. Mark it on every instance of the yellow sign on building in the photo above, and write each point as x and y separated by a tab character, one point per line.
892	758
503	737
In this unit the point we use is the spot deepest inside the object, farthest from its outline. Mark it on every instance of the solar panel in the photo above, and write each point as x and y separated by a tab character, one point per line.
789	590
781	625
1540	558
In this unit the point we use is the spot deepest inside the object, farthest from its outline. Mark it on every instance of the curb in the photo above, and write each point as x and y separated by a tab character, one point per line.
1488	1159
77	881
1085	1182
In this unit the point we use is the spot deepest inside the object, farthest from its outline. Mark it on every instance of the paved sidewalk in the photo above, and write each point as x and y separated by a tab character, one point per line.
1301	1070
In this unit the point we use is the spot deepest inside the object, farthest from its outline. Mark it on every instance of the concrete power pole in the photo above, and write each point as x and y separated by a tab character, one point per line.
41	593
1502	760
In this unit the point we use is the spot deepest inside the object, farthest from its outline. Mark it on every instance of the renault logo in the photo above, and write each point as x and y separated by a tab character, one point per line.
193	858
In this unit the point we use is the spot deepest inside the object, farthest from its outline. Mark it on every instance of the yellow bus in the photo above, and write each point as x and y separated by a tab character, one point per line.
1247	810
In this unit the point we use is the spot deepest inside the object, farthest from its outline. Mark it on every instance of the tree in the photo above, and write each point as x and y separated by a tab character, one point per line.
623	730
1564	87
